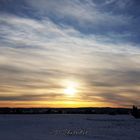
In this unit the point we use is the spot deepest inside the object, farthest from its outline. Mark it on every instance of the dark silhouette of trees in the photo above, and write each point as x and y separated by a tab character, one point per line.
135	112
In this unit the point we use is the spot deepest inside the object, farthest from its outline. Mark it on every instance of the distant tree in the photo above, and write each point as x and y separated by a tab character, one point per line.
49	111
135	112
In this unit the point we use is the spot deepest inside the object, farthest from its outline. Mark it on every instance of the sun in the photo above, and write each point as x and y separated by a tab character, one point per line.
71	88
70	91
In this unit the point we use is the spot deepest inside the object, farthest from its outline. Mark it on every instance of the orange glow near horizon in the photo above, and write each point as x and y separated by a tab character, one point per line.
70	93
56	104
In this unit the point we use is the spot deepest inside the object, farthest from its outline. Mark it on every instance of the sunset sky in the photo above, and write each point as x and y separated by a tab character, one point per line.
69	53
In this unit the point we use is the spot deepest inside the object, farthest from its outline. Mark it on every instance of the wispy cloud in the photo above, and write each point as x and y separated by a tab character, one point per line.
37	54
86	16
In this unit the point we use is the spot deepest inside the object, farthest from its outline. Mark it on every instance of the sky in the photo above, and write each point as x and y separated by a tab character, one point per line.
69	53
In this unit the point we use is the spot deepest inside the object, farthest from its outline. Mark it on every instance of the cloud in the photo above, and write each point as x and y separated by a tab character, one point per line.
37	55
85	13
30	97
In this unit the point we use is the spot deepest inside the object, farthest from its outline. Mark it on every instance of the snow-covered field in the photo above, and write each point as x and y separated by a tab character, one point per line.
69	127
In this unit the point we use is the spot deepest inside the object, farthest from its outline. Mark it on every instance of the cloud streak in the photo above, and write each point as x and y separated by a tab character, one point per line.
36	55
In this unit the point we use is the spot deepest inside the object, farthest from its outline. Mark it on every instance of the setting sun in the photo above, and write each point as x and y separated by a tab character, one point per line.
71	88
70	91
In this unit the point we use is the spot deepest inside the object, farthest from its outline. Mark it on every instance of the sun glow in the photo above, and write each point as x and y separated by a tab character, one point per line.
70	89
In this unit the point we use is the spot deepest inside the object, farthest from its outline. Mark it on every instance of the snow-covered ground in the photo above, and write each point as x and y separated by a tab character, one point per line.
69	127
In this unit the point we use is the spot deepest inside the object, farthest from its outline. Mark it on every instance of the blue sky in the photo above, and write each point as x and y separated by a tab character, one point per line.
93	42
